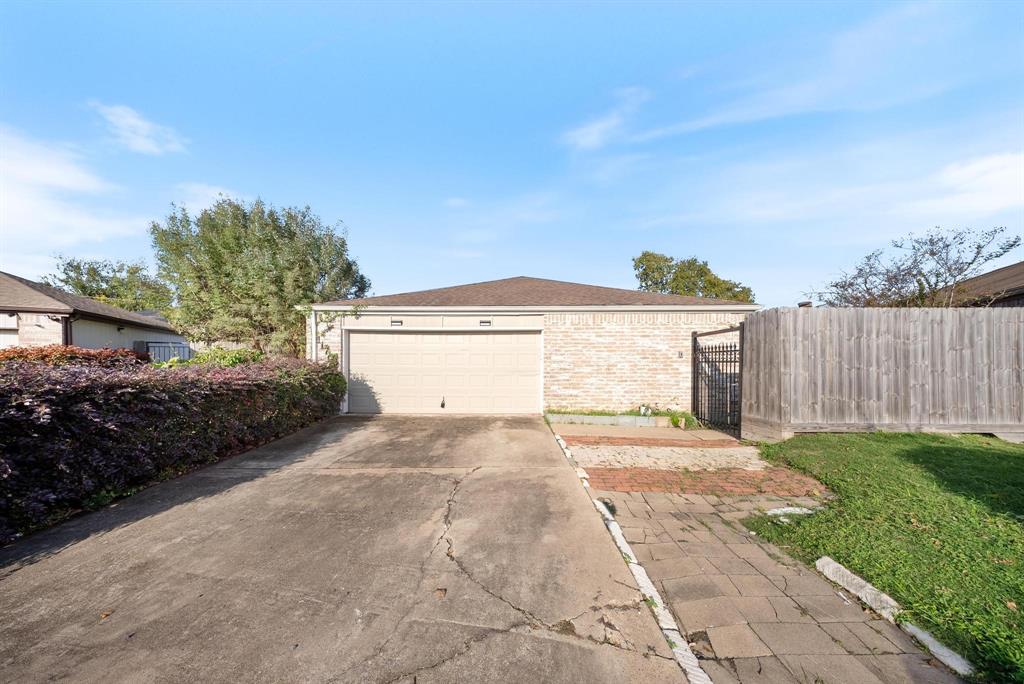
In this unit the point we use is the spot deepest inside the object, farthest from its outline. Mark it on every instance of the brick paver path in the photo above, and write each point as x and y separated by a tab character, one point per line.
751	613
727	481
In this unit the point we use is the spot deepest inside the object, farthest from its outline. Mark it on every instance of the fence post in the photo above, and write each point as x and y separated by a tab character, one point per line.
694	382
739	383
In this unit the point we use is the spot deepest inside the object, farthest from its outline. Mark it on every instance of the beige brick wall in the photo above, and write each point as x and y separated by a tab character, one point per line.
616	361
37	330
328	336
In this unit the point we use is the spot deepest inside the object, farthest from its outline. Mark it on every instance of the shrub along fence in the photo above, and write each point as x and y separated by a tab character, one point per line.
81	433
838	370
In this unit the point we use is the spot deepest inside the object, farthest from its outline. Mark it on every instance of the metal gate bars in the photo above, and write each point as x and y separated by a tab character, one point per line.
717	385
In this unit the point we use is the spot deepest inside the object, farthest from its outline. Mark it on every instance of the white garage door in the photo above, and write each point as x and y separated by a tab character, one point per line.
485	372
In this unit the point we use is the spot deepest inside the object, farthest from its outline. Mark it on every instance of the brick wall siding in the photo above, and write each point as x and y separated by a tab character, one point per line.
616	361
37	330
329	336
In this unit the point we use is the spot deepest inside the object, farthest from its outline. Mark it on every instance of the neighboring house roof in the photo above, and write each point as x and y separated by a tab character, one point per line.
1001	283
21	294
532	292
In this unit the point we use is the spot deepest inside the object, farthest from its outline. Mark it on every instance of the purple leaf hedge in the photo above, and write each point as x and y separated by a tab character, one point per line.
72	435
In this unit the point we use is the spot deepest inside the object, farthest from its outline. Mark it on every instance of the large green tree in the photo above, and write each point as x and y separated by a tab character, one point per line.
128	285
239	270
661	273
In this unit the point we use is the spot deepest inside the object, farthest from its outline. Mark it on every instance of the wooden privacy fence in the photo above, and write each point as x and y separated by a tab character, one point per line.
837	370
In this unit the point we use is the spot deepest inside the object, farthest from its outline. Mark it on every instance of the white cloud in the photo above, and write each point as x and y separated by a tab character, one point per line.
45	204
456	202
895	58
854	195
979	186
198	196
27	162
137	133
598	132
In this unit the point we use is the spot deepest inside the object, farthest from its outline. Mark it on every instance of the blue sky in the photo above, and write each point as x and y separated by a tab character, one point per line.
466	142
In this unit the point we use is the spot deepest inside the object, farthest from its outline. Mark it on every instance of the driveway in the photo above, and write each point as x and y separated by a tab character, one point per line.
384	549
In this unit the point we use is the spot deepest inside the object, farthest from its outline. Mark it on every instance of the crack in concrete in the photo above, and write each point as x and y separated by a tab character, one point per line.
564	629
465	648
535	622
446	520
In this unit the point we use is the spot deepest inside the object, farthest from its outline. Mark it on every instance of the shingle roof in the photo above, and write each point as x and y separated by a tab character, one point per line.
21	294
540	292
1002	282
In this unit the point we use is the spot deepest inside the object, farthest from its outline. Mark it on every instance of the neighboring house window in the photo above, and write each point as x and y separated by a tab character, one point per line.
8	330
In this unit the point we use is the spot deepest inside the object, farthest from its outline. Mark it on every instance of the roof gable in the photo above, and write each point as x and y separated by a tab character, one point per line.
533	292
21	294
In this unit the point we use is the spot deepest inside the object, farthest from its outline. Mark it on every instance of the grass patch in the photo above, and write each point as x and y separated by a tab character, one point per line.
935	521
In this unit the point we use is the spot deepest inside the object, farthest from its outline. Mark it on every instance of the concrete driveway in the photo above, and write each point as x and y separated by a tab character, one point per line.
384	549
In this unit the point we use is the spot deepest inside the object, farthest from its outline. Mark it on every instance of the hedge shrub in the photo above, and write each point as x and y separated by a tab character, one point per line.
75	435
59	355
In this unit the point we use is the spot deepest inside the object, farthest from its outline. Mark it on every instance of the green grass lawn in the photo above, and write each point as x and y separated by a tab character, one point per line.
937	522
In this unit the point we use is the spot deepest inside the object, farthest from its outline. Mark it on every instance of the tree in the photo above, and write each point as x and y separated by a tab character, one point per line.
926	270
660	273
118	283
239	270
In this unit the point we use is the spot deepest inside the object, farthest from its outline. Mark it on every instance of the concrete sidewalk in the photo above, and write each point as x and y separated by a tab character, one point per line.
393	549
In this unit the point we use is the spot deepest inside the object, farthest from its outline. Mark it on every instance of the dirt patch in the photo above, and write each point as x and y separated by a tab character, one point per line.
725	482
602	440
666	458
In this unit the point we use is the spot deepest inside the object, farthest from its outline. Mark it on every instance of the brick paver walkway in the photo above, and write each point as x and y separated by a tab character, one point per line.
751	613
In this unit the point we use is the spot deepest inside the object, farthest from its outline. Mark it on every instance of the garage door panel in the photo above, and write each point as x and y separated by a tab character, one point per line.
492	372
456	381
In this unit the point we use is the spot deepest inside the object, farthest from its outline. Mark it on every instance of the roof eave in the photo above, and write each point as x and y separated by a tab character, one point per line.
56	311
124	322
536	309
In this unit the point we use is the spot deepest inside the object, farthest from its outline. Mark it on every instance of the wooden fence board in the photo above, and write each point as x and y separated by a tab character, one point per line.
848	369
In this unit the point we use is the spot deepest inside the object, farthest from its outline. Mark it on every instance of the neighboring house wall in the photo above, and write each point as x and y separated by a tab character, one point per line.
99	334
1013	300
38	330
616	361
8	330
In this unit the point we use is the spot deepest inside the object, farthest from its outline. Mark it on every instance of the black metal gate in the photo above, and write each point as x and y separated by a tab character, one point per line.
717	385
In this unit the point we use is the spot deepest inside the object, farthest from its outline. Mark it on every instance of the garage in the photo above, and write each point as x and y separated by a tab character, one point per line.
515	345
444	372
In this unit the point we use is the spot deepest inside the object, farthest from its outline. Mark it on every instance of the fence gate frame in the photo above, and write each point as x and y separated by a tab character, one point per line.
712	396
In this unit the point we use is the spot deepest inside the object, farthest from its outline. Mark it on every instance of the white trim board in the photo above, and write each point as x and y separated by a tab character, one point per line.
475	310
